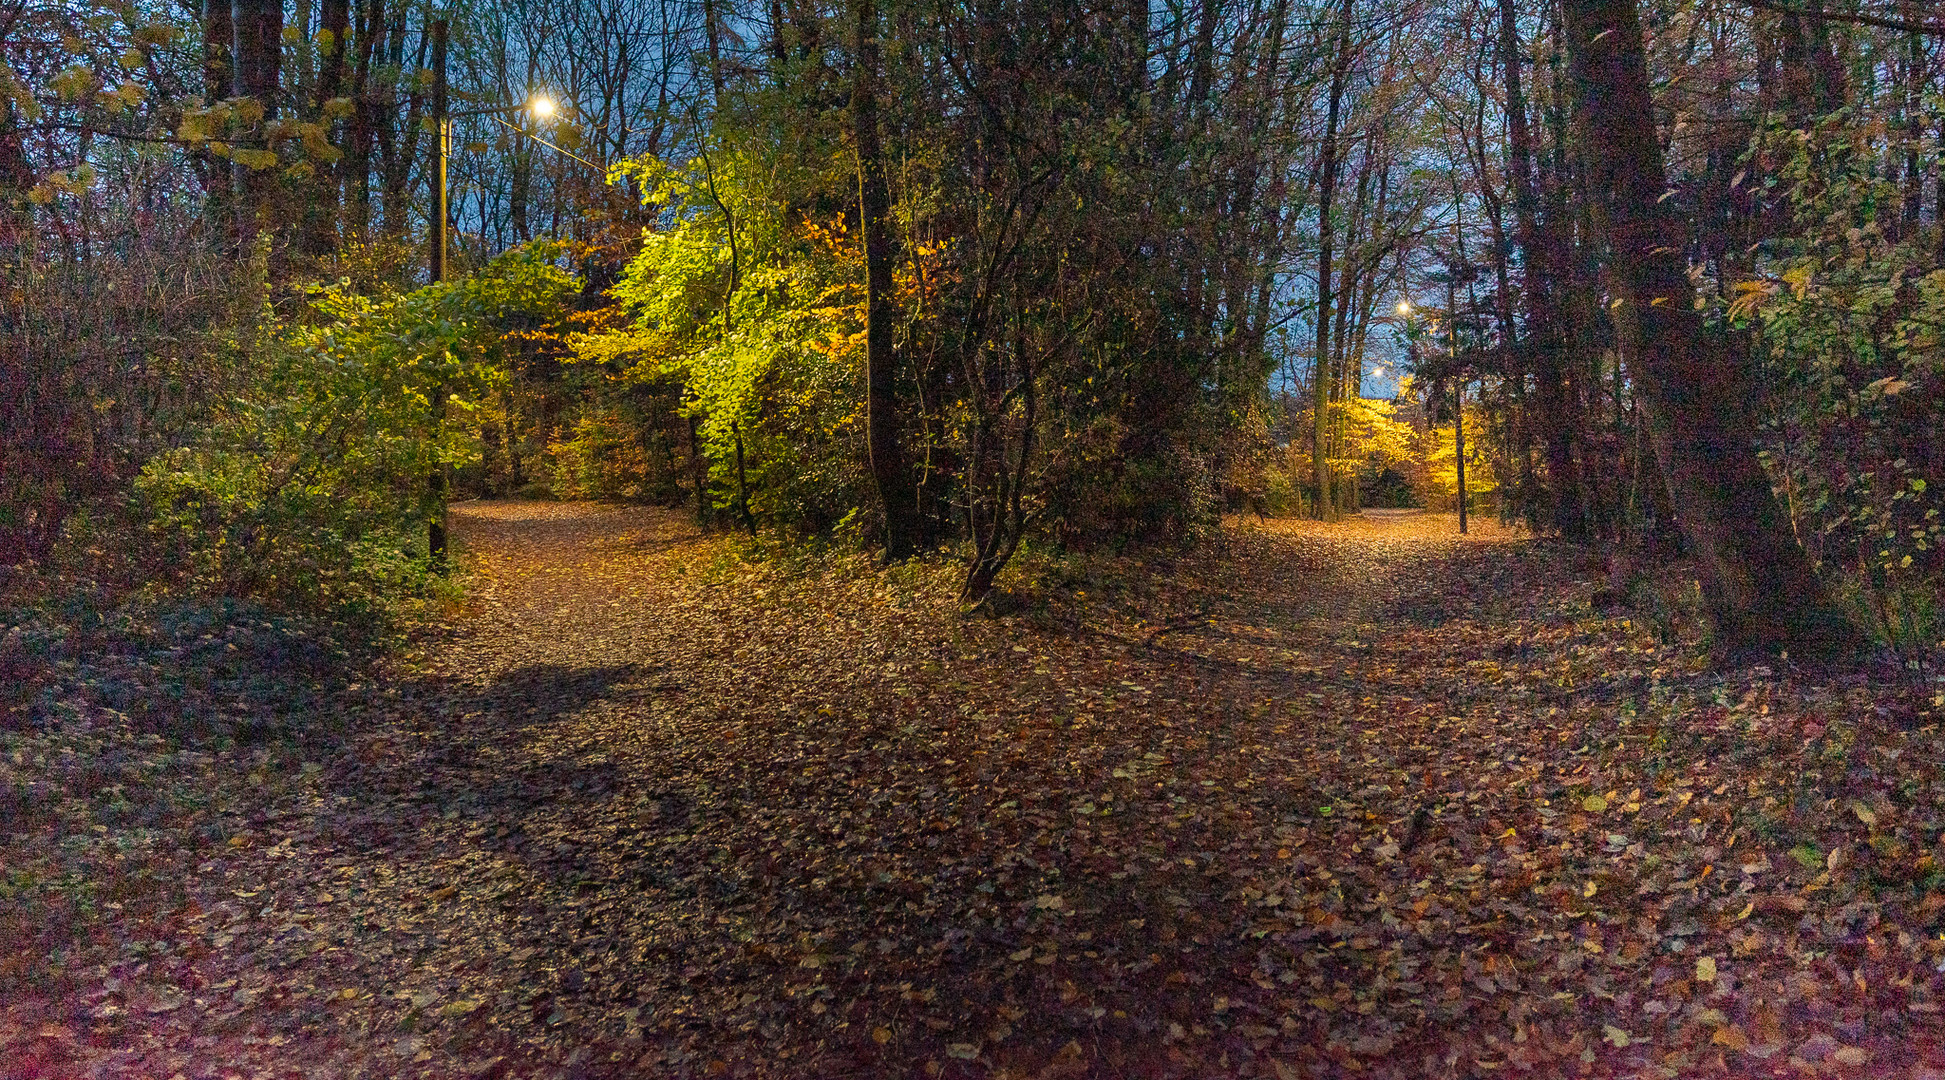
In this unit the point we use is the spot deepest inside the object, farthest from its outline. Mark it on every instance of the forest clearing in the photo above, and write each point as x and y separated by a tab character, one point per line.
1322	800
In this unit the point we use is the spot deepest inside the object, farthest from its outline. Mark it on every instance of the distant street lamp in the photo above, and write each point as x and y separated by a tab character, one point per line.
540	107
1405	310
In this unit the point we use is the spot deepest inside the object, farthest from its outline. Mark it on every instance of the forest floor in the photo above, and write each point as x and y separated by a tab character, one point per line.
1365	799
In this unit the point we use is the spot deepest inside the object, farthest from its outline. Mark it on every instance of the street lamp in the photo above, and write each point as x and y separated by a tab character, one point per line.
540	106
1405	310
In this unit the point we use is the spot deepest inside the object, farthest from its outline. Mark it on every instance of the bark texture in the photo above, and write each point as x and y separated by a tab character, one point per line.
257	28
889	470
1757	583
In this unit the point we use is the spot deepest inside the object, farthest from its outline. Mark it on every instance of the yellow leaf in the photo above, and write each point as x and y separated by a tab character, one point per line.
1590	890
1593	804
881	1035
1851	1055
1864	813
1732	1037
1705	969
254	159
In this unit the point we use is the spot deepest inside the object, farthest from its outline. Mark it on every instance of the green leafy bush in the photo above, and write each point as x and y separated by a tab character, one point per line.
1850	339
757	312
312	486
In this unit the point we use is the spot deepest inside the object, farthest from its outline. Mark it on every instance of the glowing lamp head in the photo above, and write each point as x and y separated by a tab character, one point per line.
542	106
1404	307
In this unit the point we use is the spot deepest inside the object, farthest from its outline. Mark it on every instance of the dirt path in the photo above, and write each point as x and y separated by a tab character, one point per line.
1324	799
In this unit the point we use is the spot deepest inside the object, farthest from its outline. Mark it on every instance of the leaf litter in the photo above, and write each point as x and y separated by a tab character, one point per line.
1315	800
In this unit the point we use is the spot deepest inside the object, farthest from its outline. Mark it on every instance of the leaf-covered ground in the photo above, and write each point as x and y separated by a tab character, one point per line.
1362	799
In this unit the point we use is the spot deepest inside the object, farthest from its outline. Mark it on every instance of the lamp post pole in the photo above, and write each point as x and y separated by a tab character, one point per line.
442	118
1459	394
442	124
435	530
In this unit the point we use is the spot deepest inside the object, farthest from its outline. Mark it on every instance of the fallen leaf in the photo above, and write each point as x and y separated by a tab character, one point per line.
1731	1036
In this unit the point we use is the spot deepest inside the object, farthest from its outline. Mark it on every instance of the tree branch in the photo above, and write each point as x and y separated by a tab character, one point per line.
1932	29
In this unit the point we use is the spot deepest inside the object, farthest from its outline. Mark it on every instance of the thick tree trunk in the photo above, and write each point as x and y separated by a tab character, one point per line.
219	42
218	45
1757	584
257	43
355	169
889	469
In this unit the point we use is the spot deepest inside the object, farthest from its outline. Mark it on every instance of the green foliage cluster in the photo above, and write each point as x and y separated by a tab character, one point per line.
1851	338
755	310
1047	379
310	486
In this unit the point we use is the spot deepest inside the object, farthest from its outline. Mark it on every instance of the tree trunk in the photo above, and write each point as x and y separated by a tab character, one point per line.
742	484
219	42
698	471
1757	584
257	43
1914	135
355	169
321	216
1539	269
1320	475
889	469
